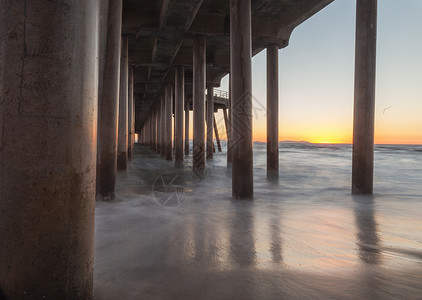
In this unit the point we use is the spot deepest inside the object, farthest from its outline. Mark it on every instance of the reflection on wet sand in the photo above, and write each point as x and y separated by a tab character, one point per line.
242	243
276	241
367	235
281	245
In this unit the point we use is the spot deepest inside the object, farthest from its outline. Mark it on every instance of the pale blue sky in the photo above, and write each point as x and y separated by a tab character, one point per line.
317	74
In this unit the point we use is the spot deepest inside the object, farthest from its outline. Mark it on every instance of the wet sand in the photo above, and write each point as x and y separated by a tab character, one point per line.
292	242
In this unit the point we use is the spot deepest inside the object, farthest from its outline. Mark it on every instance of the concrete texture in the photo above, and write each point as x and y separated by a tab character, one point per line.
122	140
48	116
108	98
364	106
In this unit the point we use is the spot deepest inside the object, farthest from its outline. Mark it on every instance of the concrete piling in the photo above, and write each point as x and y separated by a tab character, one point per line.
228	120
364	105
186	128
48	145
122	141
241	97
210	121
178	115
199	55
163	126
272	112
168	122
154	128
108	103
131	121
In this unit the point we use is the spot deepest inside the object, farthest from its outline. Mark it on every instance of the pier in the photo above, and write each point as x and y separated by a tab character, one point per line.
78	80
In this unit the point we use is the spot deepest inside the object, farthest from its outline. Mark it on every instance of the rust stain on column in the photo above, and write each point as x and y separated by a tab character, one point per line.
241	97
364	107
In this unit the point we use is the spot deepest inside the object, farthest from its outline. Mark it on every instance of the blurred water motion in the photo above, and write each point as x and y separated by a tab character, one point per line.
302	237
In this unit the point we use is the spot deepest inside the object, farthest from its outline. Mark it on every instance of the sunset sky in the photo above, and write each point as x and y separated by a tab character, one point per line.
316	80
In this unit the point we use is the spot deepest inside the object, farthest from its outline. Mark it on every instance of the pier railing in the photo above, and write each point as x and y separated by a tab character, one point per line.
221	94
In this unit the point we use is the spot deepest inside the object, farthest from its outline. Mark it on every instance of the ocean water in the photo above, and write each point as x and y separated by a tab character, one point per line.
172	235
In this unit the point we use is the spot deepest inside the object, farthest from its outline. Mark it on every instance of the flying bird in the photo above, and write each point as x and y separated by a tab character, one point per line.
386	109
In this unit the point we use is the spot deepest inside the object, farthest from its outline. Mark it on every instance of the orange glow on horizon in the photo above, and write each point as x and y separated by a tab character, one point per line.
327	133
332	137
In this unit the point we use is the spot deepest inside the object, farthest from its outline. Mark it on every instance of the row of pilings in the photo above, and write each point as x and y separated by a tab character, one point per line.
60	147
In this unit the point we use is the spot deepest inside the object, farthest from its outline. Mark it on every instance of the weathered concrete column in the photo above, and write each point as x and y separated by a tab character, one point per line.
151	130
163	126
186	128
241	86
228	120
149	138
159	131
210	121
131	120
108	103
168	122
48	145
154	128
146	125
199	61
178	115
123	108
272	112
364	107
